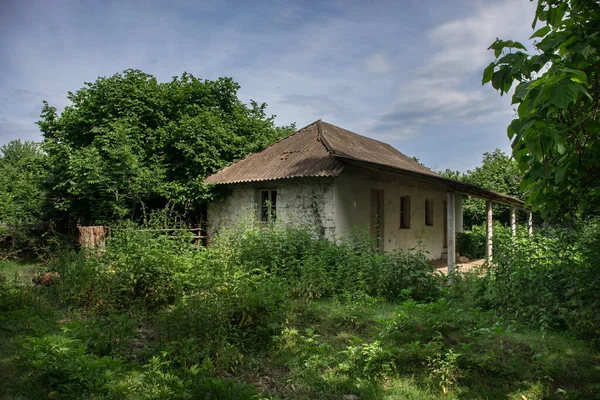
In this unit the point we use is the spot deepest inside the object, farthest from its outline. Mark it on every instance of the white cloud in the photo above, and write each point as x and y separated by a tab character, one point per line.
461	44
446	89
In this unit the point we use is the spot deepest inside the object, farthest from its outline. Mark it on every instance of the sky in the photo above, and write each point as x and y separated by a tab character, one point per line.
404	72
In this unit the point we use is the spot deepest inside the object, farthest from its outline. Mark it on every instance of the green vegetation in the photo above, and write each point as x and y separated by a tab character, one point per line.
21	194
497	172
128	144
274	312
555	135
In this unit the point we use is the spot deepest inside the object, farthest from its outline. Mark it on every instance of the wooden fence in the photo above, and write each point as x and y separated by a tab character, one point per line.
94	237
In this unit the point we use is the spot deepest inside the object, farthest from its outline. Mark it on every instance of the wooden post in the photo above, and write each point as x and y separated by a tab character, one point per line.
513	221
530	223
489	232
451	226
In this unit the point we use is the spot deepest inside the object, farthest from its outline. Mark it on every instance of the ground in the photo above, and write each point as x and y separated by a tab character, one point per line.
445	349
469	266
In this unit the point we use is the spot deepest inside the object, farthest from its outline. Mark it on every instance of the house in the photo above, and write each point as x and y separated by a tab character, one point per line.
338	180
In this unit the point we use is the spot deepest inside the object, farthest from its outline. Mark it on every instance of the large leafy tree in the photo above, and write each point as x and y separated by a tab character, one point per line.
128	142
21	175
556	133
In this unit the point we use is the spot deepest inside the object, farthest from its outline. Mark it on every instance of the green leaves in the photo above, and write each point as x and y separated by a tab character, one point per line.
128	142
502	80
499	45
488	73
553	138
563	93
541	32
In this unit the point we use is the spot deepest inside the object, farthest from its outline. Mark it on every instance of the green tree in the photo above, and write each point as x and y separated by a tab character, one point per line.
500	173
128	142
21	175
497	172
556	133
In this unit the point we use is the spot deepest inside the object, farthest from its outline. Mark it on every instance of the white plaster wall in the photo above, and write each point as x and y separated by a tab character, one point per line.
352	209
299	201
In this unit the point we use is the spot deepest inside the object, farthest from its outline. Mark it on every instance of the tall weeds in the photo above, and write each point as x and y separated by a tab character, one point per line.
551	279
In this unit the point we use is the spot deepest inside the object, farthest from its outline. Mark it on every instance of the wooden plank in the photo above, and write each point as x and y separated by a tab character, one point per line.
158	230
451	231
489	231
530	223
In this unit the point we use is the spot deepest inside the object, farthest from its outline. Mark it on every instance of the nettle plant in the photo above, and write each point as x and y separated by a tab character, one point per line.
555	135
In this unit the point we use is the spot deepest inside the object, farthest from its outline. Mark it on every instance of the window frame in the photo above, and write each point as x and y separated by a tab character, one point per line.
429	214
267	213
405	212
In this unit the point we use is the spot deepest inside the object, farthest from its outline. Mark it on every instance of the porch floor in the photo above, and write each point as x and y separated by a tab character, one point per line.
471	265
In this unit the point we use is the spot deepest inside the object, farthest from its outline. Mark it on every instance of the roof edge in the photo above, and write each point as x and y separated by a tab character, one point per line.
259	151
467	188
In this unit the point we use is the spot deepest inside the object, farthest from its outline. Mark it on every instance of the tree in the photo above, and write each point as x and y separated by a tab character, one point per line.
498	172
128	142
556	133
21	175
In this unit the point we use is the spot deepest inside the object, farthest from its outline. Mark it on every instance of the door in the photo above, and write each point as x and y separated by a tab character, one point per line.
377	217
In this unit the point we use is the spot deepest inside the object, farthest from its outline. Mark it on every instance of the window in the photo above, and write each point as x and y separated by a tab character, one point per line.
405	212
429	212
268	205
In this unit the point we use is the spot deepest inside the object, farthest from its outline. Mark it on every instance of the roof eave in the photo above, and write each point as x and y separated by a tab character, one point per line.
462	187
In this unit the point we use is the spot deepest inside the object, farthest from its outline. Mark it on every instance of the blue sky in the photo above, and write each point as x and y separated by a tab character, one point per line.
404	72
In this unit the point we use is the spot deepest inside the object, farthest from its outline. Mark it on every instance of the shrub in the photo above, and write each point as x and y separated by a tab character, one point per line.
243	310
551	279
316	268
61	364
137	266
471	243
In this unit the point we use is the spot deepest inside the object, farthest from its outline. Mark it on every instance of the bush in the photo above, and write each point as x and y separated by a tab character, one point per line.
60	367
471	243
60	364
551	279
243	311
138	266
316	268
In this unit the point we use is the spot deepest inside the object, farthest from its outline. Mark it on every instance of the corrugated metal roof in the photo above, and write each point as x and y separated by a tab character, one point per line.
302	154
314	150
346	144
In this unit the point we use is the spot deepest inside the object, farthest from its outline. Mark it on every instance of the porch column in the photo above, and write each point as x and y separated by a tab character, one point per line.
489	230
530	222
451	225
458	200
513	221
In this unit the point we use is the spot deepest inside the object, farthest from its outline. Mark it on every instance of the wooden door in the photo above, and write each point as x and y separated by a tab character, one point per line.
377	217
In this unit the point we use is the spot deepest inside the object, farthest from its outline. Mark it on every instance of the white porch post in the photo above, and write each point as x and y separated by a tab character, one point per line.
458	200
513	221
489	230
530	223
451	225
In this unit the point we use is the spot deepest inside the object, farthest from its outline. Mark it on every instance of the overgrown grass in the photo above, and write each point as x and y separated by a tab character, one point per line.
271	313
550	280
